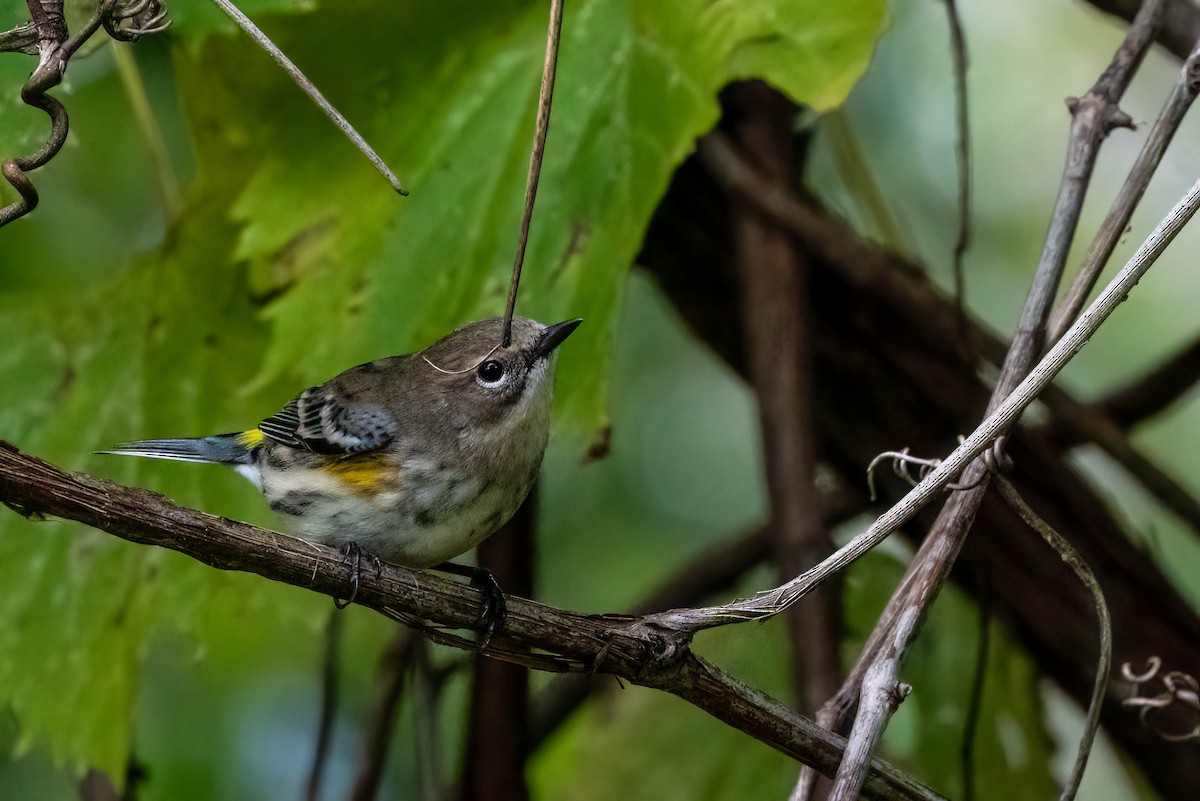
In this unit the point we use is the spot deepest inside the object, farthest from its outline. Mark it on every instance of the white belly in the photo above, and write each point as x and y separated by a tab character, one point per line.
427	520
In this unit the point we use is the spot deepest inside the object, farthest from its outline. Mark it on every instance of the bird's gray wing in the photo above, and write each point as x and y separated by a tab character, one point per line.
323	420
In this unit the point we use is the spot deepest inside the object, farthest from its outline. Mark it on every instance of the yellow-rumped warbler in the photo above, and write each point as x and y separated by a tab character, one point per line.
414	459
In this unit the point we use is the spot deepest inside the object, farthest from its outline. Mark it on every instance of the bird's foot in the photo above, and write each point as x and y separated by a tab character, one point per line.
494	609
353	553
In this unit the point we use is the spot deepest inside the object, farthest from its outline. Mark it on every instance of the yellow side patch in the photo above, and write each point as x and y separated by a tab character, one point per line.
250	439
363	474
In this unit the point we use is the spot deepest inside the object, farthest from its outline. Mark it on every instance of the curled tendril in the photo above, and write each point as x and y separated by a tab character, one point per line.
1163	713
132	20
995	457
122	20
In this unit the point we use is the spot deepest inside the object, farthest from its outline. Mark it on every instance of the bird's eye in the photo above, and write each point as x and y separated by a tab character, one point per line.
491	372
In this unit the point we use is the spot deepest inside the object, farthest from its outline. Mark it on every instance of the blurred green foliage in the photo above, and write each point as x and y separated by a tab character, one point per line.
291	261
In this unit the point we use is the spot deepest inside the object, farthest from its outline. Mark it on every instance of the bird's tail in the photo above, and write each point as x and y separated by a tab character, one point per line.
231	449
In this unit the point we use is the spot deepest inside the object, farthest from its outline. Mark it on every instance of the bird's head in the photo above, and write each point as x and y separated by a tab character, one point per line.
484	382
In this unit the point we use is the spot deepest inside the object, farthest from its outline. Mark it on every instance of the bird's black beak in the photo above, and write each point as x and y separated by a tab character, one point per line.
554	335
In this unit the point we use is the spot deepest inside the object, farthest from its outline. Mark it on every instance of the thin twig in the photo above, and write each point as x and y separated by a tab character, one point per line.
542	127
312	91
1187	85
958	48
880	695
1104	662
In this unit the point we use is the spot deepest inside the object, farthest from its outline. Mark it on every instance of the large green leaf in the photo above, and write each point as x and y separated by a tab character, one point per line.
293	260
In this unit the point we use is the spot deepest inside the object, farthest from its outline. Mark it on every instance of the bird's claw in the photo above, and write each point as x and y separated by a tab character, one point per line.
353	553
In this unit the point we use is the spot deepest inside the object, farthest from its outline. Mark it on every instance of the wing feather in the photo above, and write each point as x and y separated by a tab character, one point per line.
321	421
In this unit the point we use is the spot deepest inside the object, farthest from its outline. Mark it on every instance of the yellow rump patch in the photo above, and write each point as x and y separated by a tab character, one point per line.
250	439
363	474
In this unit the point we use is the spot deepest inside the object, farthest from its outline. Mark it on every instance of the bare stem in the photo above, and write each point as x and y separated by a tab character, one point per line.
541	129
1104	662
958	48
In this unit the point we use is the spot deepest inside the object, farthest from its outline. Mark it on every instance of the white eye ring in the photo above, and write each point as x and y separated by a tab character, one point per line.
492	373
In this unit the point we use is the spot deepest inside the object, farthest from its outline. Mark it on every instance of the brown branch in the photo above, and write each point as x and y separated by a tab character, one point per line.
21	39
493	766
774	299
535	635
773	287
1153	392
958	49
